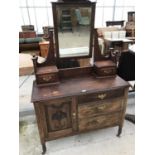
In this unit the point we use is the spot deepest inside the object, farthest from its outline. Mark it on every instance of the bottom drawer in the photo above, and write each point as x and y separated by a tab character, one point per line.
99	122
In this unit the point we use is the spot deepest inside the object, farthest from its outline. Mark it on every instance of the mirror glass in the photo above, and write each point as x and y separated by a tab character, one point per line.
74	27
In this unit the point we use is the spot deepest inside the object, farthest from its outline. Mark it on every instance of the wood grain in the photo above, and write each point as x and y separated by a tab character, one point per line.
99	121
99	108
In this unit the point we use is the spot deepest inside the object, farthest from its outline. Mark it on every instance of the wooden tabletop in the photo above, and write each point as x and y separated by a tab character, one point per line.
75	87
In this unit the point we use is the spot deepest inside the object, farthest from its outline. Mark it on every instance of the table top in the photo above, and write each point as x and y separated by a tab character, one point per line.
118	39
76	86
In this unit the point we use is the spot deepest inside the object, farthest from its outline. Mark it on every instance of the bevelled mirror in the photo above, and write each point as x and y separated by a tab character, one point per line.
73	27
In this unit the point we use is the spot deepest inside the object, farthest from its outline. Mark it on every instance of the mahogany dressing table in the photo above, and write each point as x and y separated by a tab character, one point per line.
75	100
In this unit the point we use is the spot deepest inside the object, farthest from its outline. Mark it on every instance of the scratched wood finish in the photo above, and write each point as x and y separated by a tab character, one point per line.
100	96
105	68
103	72
99	108
47	78
48	74
58	116
99	121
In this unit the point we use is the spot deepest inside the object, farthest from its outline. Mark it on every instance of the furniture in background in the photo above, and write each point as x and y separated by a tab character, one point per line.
46	30
44	45
126	70
27	34
130	25
27	28
130	29
76	100
66	22
131	16
120	44
29	42
82	20
115	38
115	23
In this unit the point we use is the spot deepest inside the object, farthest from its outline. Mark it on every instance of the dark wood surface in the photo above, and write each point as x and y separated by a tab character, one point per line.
107	63
80	102
75	86
75	72
101	96
92	109
113	23
47	69
99	122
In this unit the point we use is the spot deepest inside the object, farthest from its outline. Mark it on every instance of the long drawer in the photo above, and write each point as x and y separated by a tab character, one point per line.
99	122
101	96
98	108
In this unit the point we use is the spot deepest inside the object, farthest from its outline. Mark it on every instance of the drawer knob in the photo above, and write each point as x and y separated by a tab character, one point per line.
102	96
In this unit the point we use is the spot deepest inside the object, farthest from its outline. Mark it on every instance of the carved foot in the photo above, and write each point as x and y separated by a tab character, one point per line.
119	131
44	148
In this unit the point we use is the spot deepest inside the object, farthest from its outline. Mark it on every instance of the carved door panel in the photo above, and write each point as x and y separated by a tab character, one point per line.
58	116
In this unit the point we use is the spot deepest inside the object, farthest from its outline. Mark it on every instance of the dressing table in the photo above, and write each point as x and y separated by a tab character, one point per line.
75	100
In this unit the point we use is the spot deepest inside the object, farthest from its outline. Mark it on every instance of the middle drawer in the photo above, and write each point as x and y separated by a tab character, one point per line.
99	108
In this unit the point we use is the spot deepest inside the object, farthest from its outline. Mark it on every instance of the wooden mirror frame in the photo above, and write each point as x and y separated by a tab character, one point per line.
73	3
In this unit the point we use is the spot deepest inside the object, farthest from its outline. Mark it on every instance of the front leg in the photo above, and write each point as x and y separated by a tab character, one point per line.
119	131
43	148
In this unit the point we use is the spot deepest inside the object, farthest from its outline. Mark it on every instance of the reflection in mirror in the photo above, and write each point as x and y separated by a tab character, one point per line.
73	30
71	63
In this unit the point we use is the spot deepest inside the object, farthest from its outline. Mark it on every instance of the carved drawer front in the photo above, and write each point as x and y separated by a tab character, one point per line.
47	78
106	71
101	96
99	108
58	116
99	122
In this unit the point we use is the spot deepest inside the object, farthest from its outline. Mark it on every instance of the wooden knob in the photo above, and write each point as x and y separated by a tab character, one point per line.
102	96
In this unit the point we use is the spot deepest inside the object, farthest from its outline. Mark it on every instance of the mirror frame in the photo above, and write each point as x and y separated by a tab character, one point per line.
77	4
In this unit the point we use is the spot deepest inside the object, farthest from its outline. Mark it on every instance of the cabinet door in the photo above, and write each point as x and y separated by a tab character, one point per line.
59	118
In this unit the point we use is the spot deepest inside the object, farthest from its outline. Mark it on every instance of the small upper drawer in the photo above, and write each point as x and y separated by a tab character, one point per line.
107	71
101	96
99	108
47	78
